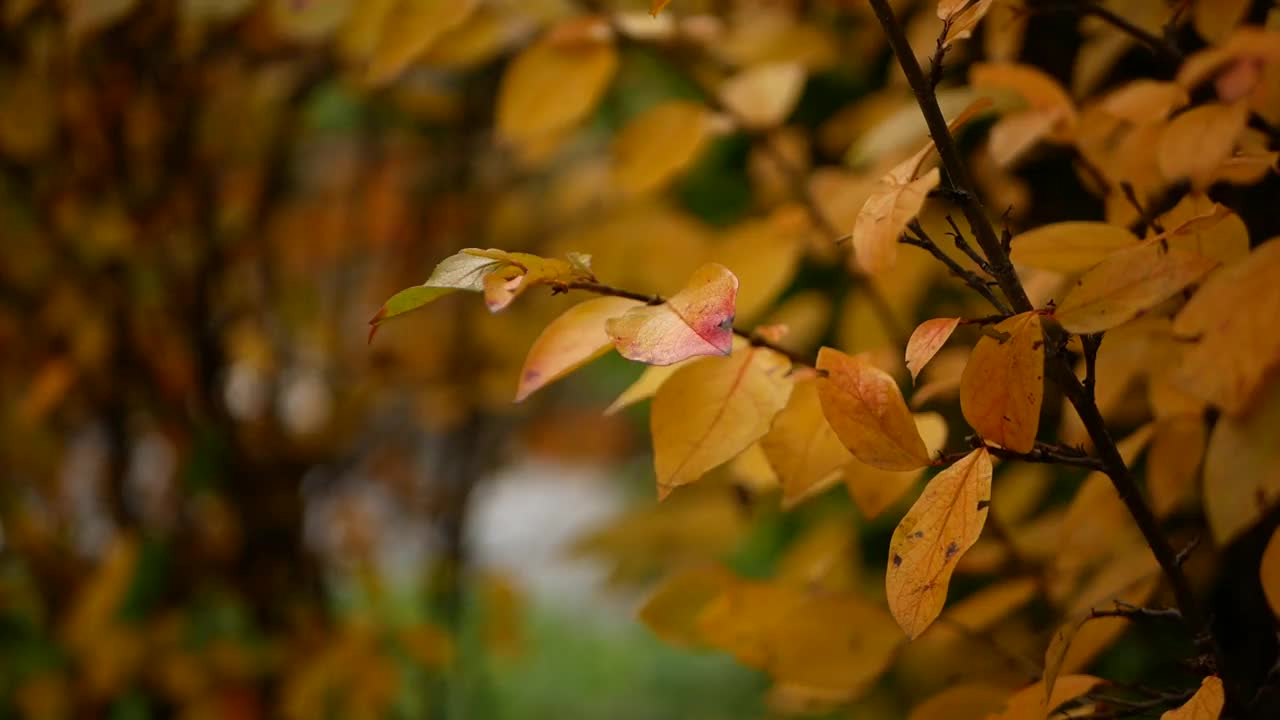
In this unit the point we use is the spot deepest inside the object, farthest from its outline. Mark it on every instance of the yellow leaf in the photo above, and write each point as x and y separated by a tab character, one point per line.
570	341
1199	140
751	472
762	97
1029	702
942	524
801	446
710	411
1230	350
409	30
874	490
646	385
961	702
1269	572
1206	704
1128	283
827	641
1198	224
1173	462
1214	19
865	409
551	86
659	144
1003	385
1068	247
926	340
696	321
671	611
963	20
886	214
763	255
1049	113
1242	468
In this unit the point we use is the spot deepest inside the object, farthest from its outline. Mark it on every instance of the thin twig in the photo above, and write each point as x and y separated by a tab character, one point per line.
919	238
965	247
1133	612
1044	453
1057	365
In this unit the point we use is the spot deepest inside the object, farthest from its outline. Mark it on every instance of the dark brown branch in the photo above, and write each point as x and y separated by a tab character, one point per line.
1133	612
1057	365
1044	453
964	246
1162	47
1091	344
919	238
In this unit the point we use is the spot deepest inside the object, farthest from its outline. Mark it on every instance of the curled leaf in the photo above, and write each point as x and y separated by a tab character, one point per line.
696	321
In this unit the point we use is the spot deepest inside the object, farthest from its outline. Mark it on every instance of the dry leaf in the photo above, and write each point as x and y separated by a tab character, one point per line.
801	446
1230	351
865	409
1206	704
1242	468
696	321
570	341
550	87
763	96
659	144
926	340
1003	384
1128	283
942	524
1069	247
713	409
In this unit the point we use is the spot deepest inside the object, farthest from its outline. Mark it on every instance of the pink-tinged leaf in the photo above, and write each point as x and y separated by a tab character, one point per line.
925	342
698	320
570	341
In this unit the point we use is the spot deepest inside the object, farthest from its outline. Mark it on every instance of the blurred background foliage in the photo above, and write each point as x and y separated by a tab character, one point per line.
218	501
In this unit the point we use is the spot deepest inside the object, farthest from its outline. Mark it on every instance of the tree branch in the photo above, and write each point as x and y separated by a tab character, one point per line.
1058	367
919	238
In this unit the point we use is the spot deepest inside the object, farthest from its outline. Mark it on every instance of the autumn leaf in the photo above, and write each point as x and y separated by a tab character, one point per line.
1003	385
1242	468
801	446
672	609
1199	140
713	409
1048	115
926	340
570	341
696	321
1229	328
659	144
1128	283
1173	462
874	490
867	412
410	30
1029	702
762	96
551	86
964	17
1069	247
1269	572
1206	704
763	255
943	523
656	6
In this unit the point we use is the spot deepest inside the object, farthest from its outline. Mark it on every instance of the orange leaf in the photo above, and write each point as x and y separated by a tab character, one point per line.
551	86
763	96
1029	702
710	411
874	490
1128	283
925	342
942	524
570	341
698	320
659	144
801	446
1232	351
865	409
1003	384
1206	704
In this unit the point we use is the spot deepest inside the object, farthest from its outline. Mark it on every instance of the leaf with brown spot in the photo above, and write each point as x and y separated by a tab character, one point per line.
867	412
1003	384
943	523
